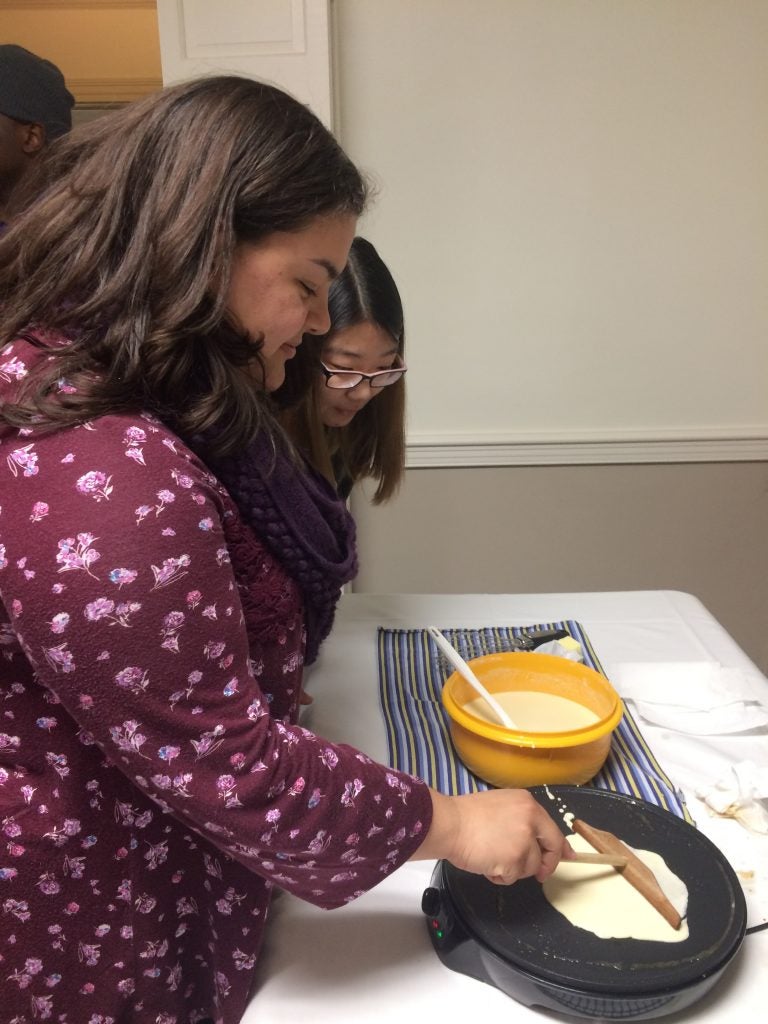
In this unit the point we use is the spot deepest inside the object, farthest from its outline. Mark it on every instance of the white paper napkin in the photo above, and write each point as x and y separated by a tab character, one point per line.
741	794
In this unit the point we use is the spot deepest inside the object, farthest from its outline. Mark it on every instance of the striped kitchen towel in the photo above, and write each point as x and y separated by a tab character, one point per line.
411	677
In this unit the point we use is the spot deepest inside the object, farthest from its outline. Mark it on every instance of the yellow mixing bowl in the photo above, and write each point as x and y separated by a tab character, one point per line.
510	758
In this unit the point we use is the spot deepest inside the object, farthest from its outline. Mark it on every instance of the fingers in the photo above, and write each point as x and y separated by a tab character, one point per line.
503	835
532	860
528	864
501	879
549	861
554	848
530	844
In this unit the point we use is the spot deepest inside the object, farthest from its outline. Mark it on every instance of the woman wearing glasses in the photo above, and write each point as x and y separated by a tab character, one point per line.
330	387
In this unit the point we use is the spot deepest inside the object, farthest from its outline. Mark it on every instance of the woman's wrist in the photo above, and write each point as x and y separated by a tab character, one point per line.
438	843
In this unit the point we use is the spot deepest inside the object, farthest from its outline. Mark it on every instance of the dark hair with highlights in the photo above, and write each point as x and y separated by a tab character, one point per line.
124	243
373	443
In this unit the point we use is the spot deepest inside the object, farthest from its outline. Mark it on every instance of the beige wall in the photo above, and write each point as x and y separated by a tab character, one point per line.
697	528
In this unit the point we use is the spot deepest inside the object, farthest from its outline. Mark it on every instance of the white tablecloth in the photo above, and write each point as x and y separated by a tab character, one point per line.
372	960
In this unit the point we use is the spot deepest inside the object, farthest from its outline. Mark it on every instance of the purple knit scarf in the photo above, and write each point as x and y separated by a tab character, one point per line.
299	516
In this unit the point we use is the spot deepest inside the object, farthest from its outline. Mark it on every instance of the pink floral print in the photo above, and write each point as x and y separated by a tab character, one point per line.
95	484
24	459
77	553
12	369
39	511
153	782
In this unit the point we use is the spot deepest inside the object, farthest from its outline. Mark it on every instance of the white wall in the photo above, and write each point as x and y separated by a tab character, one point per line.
574	200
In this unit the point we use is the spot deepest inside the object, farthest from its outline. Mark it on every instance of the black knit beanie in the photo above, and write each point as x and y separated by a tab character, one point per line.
32	90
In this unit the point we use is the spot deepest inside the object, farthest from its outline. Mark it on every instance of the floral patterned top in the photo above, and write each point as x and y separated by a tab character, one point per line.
154	786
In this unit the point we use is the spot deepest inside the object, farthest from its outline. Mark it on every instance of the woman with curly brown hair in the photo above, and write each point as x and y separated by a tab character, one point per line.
167	565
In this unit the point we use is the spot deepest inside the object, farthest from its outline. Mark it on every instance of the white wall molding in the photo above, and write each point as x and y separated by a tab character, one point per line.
587	448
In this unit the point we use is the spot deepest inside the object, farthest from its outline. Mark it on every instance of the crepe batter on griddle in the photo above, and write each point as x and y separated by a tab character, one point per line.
596	897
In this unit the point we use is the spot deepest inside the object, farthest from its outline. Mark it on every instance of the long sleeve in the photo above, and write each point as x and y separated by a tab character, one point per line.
153	786
121	590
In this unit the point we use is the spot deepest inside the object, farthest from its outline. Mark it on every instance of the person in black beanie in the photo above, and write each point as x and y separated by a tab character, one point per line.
35	108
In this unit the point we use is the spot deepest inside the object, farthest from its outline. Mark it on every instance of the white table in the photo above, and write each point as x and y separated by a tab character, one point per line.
372	960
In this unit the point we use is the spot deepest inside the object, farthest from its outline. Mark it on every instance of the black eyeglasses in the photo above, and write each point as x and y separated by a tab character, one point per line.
343	380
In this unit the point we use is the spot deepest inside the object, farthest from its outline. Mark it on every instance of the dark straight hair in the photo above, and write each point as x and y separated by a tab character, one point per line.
124	241
373	444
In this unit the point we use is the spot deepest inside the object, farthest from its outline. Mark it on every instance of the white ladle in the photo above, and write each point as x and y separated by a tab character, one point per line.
466	672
